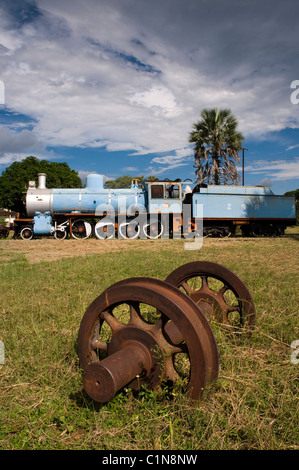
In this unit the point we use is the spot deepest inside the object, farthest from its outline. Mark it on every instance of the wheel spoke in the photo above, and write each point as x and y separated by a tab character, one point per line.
98	344
204	283
170	372
111	321
223	290
234	308
186	287
135	315
164	343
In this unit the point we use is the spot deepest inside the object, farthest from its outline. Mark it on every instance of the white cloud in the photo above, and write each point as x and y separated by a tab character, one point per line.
130	169
292	147
276	170
265	182
160	98
135	75
182	157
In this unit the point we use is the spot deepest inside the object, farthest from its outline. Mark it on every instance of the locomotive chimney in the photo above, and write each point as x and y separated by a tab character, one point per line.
42	181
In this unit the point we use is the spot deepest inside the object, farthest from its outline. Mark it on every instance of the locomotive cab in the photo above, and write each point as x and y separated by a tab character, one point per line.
171	202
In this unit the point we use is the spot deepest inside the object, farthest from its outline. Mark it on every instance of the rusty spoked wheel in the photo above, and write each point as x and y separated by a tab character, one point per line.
142	331
218	291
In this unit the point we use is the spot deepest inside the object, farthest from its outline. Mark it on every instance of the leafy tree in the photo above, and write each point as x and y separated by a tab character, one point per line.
295	193
217	143
121	182
14	180
126	180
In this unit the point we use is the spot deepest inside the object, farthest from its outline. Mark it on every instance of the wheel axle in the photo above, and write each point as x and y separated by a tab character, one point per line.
143	331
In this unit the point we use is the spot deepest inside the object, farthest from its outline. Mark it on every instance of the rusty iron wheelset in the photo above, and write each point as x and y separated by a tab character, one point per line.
144	331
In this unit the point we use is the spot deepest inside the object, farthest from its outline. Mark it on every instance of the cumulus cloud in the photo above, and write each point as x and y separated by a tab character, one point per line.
131	76
181	157
276	170
265	182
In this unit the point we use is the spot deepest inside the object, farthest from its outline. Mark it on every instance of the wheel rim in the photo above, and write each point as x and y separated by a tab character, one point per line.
226	298
169	310
153	230
104	231
60	234
26	233
129	230
81	229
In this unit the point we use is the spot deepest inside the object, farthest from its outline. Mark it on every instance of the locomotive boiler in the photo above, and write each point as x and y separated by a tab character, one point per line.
153	209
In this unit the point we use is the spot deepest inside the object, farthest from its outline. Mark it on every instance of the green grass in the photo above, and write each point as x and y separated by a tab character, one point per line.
253	404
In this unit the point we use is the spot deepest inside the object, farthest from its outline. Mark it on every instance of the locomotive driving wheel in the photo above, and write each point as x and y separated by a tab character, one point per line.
104	230
81	229
141	331
218	291
128	230
153	229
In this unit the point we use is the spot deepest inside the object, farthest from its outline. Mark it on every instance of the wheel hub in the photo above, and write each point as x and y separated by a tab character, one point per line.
151	368
210	304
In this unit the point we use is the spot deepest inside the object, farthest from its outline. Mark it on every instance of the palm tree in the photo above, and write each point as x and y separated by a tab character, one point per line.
217	143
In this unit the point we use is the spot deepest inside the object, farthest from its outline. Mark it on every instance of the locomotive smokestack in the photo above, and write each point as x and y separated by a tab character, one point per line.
42	181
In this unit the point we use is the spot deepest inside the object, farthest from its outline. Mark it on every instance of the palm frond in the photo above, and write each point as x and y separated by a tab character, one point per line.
217	143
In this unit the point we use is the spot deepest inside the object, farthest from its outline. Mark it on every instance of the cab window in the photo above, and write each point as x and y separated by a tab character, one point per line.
157	191
173	191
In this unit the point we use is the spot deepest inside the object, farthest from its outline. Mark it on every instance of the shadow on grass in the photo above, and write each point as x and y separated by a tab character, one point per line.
294	236
82	400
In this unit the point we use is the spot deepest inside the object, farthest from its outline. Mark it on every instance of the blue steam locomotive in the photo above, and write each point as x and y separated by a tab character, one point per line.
152	210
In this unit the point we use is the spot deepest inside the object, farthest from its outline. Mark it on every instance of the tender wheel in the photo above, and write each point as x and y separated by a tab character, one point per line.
141	331
81	229
26	233
219	292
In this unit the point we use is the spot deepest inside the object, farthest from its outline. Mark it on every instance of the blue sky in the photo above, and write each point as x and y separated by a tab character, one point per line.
115	86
